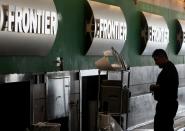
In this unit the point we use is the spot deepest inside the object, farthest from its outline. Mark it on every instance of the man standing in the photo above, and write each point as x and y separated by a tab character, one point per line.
165	92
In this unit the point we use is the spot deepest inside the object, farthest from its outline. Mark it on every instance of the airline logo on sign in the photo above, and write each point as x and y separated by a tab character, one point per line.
158	34
28	20
110	29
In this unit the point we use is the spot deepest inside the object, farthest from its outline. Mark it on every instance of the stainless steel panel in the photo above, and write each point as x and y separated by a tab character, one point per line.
74	114
19	43
74	104
181	70
7	78
155	33
142	109
141	78
106	28
143	75
58	89
67	93
39	102
181	99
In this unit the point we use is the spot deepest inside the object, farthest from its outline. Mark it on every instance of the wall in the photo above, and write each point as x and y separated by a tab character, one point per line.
70	43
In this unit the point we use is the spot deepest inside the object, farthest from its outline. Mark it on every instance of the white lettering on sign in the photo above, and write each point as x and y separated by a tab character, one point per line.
110	29
27	20
158	34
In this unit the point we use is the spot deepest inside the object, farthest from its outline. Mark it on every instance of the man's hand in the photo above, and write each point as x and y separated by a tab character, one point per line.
154	87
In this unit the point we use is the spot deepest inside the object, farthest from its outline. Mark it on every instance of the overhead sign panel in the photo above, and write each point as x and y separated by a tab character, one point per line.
27	27
105	28
181	37
154	33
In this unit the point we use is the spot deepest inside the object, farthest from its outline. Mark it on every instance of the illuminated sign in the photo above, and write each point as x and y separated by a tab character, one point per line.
154	33
105	28
27	27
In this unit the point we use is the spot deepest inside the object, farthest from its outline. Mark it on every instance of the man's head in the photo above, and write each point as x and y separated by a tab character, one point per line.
160	57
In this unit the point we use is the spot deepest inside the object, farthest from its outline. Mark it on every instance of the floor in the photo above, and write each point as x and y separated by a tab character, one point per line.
179	124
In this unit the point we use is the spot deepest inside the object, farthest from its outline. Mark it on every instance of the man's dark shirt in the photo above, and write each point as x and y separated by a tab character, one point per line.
168	82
